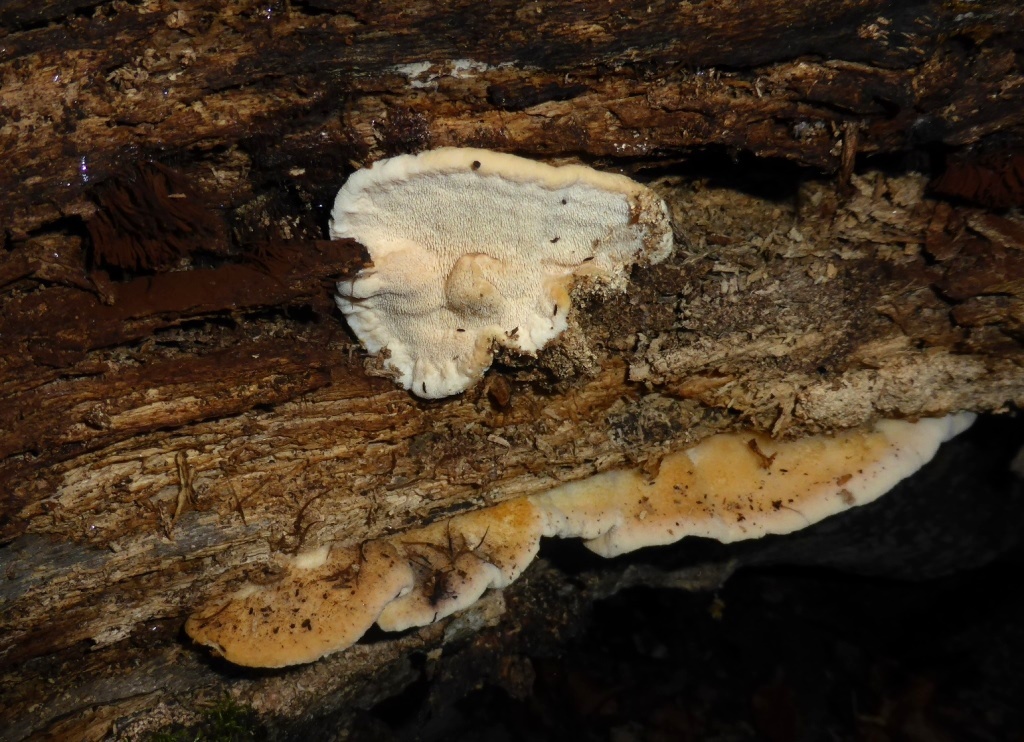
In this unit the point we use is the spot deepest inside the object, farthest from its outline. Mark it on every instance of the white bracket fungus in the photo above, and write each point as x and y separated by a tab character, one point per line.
729	487
474	249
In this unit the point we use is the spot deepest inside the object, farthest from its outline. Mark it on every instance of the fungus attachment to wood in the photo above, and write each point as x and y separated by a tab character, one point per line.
474	249
728	487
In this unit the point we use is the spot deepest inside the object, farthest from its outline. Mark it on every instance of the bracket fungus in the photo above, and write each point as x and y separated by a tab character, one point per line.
729	487
474	249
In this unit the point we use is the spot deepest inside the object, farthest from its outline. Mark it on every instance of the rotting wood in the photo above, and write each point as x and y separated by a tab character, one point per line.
295	91
816	307
833	322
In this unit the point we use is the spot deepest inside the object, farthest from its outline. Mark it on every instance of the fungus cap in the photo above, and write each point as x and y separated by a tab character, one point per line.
324	601
459	559
737	486
729	487
473	249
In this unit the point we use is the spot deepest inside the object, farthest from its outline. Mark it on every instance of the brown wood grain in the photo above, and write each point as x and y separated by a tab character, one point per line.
177	416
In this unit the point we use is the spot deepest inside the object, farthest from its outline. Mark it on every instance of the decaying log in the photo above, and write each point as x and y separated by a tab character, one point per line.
181	405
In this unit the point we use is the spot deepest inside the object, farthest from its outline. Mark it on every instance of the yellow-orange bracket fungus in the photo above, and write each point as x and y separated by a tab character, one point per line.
729	487
474	249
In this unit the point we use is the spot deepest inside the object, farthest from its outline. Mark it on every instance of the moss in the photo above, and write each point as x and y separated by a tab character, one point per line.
225	721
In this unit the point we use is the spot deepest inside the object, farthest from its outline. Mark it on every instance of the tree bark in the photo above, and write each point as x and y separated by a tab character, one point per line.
182	406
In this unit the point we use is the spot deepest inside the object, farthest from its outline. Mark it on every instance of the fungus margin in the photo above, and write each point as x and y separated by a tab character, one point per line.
729	487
